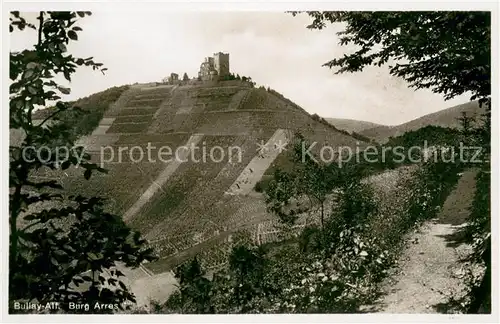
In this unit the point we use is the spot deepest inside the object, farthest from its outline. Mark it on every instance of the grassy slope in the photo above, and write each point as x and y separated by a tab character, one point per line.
95	105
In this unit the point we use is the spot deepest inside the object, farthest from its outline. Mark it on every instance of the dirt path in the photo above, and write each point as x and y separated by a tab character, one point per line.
429	269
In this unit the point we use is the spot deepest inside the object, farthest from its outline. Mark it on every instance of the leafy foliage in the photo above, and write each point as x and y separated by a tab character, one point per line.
479	235
480	224
58	242
437	179
62	254
233	290
307	180
194	290
446	51
433	135
336	264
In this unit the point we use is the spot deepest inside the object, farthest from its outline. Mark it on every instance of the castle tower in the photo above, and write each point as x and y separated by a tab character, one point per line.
221	63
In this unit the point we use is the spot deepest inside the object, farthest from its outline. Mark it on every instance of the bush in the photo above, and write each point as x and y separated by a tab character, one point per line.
479	227
262	185
259	187
478	234
310	239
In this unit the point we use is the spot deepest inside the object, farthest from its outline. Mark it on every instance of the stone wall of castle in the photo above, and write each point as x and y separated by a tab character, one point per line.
214	67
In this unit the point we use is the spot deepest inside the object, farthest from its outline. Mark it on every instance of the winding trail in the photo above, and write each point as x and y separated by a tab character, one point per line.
430	270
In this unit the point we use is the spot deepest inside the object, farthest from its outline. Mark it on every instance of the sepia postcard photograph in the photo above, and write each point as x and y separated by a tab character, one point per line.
204	159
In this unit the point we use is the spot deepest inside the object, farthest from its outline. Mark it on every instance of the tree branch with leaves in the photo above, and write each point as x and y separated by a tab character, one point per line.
57	239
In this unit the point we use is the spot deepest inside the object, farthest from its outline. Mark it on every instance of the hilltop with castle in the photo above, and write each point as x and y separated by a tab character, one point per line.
213	68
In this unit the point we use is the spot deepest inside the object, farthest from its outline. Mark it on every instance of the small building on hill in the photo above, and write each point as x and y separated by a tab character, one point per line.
173	78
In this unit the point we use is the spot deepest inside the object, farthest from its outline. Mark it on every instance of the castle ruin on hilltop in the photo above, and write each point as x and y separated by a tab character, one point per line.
214	67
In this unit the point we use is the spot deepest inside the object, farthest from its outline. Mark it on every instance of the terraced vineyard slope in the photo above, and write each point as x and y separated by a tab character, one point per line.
222	137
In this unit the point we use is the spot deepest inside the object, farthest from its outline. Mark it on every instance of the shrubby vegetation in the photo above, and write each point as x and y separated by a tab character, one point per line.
61	247
337	262
232	76
415	42
479	235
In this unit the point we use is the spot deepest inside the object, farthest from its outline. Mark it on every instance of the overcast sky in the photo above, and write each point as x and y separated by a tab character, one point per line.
273	48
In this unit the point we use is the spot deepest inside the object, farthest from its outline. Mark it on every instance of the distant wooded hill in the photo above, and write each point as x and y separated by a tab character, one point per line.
382	133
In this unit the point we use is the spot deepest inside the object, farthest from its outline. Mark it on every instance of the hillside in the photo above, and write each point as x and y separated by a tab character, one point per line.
189	205
444	118
351	125
93	108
